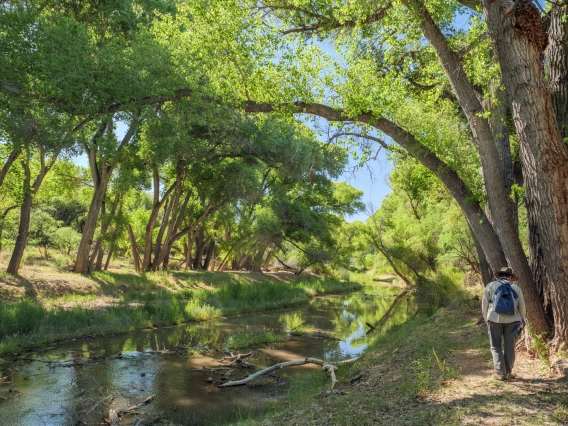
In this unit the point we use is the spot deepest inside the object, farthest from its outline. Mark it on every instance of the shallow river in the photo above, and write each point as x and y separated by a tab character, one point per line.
78	382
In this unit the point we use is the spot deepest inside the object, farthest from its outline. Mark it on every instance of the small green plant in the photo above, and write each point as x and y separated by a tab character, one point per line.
539	347
446	372
422	371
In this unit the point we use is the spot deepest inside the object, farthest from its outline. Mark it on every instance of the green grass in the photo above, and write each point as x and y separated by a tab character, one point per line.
407	372
29	322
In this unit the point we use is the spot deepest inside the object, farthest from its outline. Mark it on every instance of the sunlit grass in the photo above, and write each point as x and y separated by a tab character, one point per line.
29	322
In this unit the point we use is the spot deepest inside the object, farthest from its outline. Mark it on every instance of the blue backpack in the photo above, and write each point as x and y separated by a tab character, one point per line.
504	299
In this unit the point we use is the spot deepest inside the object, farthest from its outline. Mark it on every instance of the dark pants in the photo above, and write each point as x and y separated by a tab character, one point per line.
502	362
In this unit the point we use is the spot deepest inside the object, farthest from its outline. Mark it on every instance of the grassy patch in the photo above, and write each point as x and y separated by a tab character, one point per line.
161	299
414	375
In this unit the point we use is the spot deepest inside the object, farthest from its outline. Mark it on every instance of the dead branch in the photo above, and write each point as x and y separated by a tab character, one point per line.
113	415
327	367
236	359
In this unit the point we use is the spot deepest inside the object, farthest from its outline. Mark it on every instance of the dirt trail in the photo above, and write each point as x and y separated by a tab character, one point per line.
402	383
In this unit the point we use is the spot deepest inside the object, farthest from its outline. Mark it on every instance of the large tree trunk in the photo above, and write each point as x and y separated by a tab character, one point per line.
519	42
556	61
490	160
498	123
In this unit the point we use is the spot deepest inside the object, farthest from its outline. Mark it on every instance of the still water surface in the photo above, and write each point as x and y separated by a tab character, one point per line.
78	382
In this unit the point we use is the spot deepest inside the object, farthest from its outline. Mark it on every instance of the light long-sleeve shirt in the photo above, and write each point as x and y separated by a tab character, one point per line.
488	306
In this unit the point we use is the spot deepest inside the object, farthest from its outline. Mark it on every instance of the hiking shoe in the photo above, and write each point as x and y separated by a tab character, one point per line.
498	376
511	376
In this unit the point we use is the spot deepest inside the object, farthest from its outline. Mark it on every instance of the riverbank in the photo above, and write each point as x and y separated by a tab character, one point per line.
42	305
429	371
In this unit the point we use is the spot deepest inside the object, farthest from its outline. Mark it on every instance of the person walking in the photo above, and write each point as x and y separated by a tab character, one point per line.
503	307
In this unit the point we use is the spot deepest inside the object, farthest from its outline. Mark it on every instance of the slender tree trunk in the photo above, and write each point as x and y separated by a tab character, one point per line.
519	42
209	256
199	246
82	264
25	213
156	206
9	161
133	248
98	251
161	232
101	175
109	257
189	245
487	275
99	243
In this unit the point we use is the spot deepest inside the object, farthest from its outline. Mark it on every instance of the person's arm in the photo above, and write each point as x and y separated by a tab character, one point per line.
521	305
484	304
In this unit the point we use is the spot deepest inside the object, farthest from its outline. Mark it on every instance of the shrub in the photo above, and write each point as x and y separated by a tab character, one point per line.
66	240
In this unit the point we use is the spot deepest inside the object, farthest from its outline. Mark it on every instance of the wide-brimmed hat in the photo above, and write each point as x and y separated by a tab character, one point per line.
505	270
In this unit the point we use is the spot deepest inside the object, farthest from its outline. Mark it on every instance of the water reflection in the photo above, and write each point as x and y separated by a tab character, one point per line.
80	381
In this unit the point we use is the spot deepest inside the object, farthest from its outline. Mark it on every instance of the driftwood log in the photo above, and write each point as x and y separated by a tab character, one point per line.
113	415
327	367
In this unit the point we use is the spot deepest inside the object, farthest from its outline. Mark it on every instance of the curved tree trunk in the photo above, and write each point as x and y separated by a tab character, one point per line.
519	42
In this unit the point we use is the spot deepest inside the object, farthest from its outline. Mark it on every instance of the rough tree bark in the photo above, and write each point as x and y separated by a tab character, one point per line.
556	61
516	31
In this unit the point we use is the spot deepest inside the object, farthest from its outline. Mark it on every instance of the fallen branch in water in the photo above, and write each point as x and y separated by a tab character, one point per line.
330	368
113	414
235	359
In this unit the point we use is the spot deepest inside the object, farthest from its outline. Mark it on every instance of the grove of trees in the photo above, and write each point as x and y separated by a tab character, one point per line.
195	120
